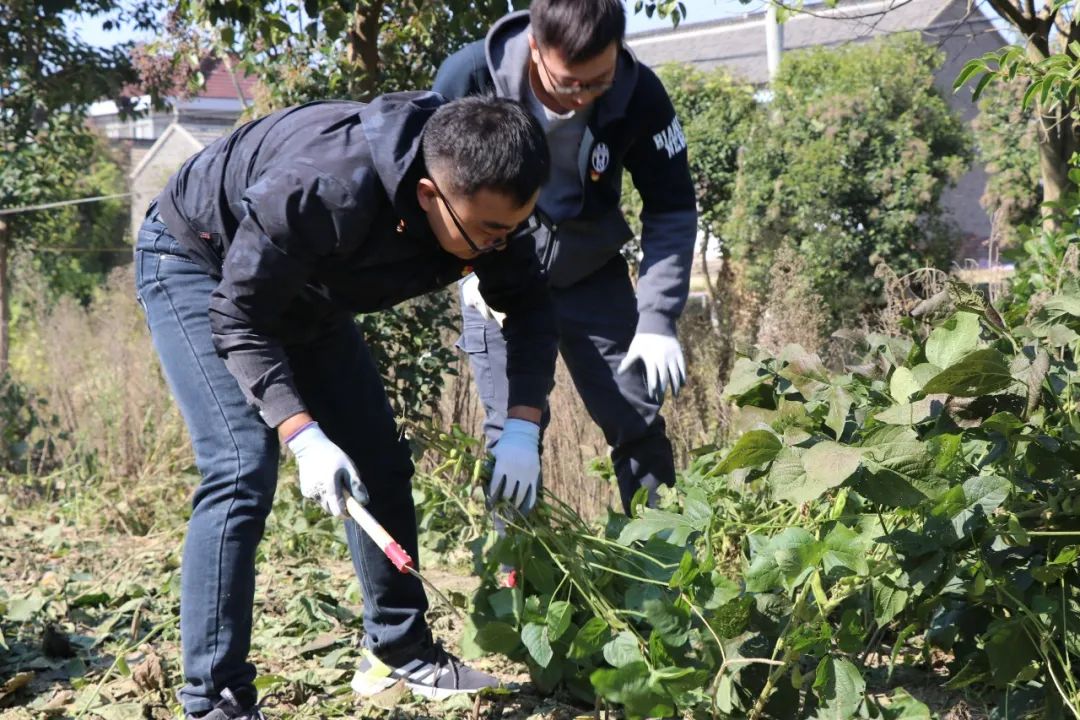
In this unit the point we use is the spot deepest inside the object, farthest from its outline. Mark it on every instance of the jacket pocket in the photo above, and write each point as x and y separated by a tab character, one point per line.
473	339
578	248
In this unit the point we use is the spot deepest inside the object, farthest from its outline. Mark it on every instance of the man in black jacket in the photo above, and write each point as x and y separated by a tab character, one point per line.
602	111
251	265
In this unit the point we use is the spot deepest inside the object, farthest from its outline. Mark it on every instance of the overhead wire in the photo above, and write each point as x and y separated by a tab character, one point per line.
64	203
61	203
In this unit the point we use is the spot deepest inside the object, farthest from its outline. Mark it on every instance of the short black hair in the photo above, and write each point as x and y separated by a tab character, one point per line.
483	141
579	29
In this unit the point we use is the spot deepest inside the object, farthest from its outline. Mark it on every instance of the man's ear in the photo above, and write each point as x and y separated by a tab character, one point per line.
532	42
426	194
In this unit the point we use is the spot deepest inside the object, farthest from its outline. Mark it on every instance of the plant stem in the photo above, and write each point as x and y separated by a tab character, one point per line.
128	647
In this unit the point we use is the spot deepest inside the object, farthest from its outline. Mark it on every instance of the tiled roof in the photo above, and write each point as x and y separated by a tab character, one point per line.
739	43
220	85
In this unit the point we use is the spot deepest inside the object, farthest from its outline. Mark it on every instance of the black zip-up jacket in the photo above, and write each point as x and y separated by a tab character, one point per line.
310	215
632	126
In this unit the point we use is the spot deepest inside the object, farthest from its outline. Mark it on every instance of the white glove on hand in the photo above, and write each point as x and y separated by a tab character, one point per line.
470	295
662	358
325	471
517	465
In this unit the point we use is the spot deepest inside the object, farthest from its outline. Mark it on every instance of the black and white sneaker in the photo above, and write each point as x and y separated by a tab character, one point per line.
434	674
229	708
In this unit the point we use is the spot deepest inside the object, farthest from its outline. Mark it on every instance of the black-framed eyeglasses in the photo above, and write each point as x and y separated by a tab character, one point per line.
527	227
576	87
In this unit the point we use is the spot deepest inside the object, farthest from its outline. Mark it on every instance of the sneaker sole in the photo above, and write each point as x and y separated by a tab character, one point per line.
369	689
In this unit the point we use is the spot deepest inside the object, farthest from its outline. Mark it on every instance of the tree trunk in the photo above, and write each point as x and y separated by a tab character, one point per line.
363	47
714	300
1057	143
5	297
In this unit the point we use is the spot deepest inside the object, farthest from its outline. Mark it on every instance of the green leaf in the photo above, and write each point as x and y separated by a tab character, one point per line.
541	573
558	619
839	686
786	473
623	649
334	20
723	590
826	465
1005	423
969	69
952	340
752	449
630	686
592	636
264	683
671	620
653	521
978	373
900	468
746	377
785	560
904	707
1009	649
1055	569
679	681
697	509
981	85
496	637
851	634
844	548
902	384
1033	88
983	495
536	641
890	598
506	603
1063	305
840	402
803	369
23	608
686	573
913	413
924	373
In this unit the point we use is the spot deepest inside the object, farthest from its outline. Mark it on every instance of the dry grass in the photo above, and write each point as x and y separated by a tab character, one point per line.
116	422
793	312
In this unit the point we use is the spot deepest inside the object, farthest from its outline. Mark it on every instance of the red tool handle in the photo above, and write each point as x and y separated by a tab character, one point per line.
390	547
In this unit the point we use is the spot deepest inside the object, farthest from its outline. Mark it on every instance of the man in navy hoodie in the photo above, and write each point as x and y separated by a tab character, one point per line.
251	265
602	112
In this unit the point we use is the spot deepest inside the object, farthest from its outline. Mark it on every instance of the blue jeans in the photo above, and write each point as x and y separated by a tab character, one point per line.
597	318
237	456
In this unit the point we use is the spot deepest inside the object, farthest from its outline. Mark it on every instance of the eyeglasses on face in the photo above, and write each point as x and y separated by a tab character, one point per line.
527	227
574	87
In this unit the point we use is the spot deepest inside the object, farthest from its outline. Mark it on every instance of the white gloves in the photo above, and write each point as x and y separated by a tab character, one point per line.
470	295
662	358
325	470
517	465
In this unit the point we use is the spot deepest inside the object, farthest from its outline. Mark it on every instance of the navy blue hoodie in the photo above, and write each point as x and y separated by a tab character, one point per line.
631	126
309	215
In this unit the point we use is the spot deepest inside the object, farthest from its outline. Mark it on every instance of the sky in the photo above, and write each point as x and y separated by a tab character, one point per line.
89	29
698	11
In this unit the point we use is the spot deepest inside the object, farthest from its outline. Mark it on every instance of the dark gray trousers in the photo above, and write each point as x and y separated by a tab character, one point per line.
597	317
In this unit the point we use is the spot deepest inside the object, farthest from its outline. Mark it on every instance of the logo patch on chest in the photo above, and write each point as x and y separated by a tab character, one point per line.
601	158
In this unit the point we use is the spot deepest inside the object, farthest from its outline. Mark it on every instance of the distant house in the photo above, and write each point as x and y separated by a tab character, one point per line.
159	142
960	30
